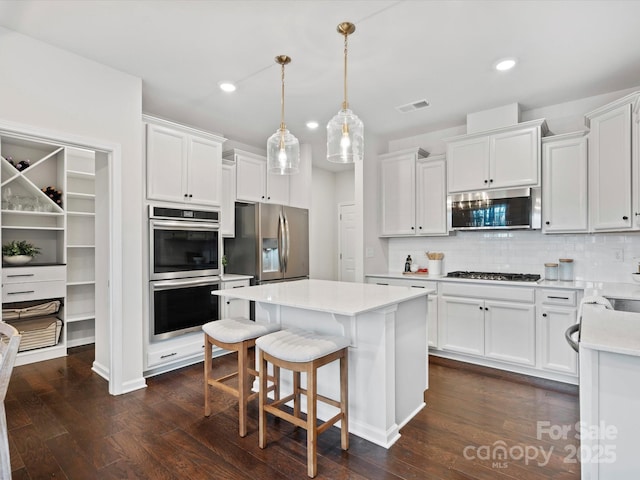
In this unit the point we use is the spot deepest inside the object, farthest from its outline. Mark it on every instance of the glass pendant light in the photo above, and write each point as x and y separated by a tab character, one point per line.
283	149
345	131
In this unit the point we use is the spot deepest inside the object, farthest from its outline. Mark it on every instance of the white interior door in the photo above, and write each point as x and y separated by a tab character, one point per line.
347	242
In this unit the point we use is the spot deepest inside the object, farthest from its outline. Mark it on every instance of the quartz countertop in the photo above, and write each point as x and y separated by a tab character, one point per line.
610	330
233	277
342	298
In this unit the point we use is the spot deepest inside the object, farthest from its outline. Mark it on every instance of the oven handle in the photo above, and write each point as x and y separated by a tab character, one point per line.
181	225
170	284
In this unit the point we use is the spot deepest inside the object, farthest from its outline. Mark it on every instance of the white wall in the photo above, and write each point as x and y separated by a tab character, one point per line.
322	226
46	88
523	251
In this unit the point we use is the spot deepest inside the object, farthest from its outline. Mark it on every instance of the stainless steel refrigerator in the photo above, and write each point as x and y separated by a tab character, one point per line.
271	243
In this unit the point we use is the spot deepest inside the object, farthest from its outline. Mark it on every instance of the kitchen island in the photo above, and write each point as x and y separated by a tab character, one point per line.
387	331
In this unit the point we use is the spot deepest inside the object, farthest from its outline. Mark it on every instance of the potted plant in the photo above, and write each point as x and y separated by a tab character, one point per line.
224	261
19	252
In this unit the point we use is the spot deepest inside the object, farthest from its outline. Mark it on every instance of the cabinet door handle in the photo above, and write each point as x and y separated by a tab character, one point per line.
417	286
625	218
637	214
420	227
544	314
491	180
21	275
382	284
558	298
547	223
486	181
20	293
486	308
481	308
190	195
268	198
168	355
228	302
186	195
413	228
262	197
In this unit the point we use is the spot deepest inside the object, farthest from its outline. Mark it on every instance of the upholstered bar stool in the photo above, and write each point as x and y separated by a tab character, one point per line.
302	351
237	335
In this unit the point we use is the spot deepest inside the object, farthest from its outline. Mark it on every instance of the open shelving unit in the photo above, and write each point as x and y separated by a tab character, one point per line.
81	260
64	232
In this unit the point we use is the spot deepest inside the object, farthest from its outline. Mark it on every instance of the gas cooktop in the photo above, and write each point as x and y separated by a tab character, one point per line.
508	277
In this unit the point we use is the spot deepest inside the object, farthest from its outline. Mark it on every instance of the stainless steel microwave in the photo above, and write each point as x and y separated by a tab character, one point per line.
518	208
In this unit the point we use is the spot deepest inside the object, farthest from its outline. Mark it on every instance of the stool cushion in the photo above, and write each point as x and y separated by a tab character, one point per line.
294	345
233	330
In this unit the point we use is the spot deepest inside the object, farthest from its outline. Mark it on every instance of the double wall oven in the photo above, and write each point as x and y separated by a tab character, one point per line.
184	267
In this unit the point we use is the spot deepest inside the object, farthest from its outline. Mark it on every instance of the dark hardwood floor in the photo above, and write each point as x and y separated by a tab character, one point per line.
64	424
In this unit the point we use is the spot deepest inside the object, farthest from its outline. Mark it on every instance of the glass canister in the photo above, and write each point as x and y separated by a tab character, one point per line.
551	271
566	269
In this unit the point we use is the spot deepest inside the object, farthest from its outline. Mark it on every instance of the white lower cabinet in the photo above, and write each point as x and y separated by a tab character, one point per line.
234	307
463	327
557	312
510	333
183	348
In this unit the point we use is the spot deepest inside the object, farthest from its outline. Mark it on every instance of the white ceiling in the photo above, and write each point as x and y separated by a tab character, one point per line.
402	51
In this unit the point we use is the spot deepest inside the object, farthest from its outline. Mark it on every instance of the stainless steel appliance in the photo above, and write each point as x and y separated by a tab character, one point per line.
183	243
271	242
500	209
501	276
179	306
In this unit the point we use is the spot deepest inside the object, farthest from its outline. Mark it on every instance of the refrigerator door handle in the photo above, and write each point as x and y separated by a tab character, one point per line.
281	242
287	242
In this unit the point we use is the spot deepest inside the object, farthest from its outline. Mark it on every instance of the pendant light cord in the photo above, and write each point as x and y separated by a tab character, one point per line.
282	125
345	103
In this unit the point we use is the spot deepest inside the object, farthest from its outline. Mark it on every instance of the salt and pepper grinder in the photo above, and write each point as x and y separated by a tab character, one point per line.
407	264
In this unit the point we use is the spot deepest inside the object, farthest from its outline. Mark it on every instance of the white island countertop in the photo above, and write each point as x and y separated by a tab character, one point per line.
610	330
342	298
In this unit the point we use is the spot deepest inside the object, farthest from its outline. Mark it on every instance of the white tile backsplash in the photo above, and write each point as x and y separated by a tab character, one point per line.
594	255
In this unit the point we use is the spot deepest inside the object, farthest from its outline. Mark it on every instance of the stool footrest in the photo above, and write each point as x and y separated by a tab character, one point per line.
276	412
329	423
322	398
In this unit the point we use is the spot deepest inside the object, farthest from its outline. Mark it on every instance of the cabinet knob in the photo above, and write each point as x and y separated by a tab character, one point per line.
491	180
413	228
268	198
486	308
625	218
544	314
420	227
190	195
486	181
186	195
637	214
480	308
547	223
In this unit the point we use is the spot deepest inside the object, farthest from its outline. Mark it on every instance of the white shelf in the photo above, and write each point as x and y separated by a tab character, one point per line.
80	195
81	214
28	212
81	246
26	227
79	174
81	282
80	317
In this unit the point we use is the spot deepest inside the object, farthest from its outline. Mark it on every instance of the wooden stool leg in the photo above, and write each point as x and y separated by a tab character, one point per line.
243	387
262	400
344	402
296	394
312	432
276	386
207	374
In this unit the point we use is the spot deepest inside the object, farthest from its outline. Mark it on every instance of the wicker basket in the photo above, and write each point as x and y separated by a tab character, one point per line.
38	332
22	310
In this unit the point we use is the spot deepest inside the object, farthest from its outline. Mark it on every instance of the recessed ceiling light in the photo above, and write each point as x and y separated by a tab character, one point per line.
312	125
227	87
506	64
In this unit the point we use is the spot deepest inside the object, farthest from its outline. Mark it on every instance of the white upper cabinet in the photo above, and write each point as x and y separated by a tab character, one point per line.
502	158
413	196
613	166
564	183
256	185
183	165
431	196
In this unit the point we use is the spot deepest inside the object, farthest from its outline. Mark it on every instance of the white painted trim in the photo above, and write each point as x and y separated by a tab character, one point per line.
114	151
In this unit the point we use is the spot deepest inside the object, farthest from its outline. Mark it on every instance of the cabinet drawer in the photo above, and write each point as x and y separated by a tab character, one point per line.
493	292
558	297
33	274
173	354
20	292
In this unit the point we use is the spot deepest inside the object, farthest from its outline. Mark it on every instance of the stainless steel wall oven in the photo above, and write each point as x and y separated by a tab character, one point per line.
180	306
183	243
184	267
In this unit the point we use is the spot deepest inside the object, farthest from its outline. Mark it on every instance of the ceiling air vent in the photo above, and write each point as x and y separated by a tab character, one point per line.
413	106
